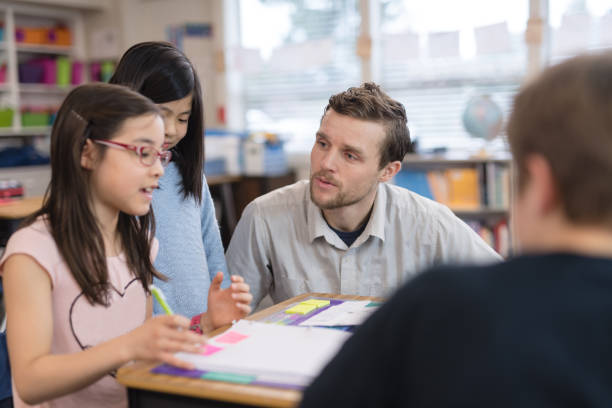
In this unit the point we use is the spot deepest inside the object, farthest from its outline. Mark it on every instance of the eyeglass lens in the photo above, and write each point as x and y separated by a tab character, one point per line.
149	155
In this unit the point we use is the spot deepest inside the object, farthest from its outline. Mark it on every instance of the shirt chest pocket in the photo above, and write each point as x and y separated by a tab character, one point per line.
374	277
290	284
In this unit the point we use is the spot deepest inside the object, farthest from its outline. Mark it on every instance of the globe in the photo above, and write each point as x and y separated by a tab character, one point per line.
482	117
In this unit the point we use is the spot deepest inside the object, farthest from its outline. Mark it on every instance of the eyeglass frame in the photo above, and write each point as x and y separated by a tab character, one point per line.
164	156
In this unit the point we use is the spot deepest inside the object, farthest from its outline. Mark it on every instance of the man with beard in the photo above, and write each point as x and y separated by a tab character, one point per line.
347	230
530	332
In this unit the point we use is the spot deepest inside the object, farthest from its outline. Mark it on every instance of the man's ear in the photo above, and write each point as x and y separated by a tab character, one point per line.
544	185
390	170
89	155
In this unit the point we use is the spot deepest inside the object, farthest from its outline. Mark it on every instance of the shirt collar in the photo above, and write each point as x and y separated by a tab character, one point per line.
317	226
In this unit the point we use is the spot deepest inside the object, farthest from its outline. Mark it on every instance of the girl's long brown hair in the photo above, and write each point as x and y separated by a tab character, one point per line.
93	111
162	73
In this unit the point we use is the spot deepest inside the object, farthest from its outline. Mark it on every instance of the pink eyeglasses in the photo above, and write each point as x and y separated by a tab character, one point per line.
148	154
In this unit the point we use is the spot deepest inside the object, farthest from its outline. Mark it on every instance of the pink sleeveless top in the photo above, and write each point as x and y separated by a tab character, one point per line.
77	325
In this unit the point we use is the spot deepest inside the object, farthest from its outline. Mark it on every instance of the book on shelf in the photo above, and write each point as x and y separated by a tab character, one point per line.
497	235
497	180
457	188
461	188
416	181
502	238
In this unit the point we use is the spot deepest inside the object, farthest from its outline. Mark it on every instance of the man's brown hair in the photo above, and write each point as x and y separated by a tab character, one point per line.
369	102
566	116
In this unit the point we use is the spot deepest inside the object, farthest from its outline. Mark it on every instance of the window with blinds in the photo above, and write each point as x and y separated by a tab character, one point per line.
307	51
437	55
579	26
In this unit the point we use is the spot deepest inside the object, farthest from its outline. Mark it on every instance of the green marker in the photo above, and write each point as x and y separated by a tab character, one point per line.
161	299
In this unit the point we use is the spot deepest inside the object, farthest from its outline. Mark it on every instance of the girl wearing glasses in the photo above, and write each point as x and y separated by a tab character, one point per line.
191	254
76	276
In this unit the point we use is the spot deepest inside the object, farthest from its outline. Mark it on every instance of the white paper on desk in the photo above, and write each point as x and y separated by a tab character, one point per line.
348	313
292	354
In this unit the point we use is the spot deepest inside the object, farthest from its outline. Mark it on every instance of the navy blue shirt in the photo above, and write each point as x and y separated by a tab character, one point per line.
535	331
351	236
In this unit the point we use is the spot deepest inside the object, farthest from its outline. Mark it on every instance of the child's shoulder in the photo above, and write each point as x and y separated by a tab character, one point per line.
34	240
39	230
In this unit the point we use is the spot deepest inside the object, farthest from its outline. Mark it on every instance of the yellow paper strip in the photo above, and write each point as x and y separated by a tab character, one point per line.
300	309
316	302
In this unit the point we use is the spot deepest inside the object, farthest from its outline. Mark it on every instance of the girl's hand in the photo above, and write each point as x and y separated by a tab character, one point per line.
226	305
162	336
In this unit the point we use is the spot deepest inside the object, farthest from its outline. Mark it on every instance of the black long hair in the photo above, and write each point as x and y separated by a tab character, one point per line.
162	73
93	111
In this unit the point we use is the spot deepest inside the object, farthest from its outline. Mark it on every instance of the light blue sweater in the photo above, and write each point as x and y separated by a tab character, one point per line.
190	247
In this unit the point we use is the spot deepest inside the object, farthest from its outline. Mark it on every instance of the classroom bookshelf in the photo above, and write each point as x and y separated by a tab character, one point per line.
37	47
477	189
42	58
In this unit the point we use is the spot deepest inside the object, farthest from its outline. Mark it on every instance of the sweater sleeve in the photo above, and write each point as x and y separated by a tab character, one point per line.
211	237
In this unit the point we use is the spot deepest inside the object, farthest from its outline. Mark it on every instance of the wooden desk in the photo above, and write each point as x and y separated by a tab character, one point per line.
20	208
146	389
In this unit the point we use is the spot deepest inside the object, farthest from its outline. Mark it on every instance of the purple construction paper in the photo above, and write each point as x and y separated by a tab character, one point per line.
181	372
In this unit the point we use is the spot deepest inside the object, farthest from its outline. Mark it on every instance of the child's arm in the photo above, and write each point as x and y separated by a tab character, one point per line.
211	237
40	375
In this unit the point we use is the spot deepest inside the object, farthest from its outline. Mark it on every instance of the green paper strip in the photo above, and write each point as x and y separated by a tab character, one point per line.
374	304
229	377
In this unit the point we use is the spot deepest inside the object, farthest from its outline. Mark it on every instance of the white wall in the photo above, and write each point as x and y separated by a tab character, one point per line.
146	20
80	4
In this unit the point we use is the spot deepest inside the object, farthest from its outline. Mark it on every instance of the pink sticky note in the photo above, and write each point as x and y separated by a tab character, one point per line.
209	349
231	337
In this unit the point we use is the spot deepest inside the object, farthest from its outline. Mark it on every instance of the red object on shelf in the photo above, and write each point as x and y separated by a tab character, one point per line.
10	189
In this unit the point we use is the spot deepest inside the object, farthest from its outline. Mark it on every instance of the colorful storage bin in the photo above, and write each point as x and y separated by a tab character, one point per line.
30	72
31	35
76	77
6	117
59	35
35	118
64	71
